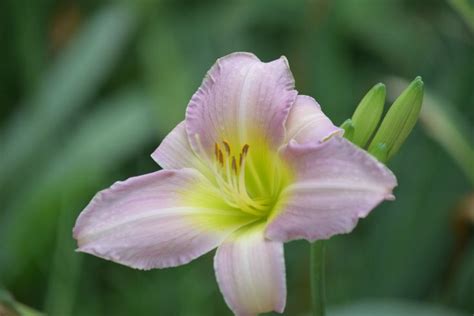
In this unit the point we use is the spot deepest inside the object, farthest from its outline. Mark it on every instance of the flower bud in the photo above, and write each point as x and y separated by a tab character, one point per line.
348	128
400	120
367	115
380	151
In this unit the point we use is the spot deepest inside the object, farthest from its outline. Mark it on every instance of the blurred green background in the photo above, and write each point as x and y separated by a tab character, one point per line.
88	89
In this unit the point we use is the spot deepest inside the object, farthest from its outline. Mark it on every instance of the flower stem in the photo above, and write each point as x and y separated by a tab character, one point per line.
317	274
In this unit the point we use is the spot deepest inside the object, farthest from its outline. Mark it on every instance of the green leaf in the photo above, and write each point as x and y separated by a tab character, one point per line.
72	80
64	275
9	306
116	131
465	10
448	128
392	308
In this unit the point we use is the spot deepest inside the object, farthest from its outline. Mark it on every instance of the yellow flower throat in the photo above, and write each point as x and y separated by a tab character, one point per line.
245	183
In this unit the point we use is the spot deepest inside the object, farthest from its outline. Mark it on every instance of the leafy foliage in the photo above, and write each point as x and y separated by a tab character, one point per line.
88	89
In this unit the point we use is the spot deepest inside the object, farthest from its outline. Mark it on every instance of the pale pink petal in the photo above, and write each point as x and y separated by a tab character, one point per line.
335	184
250	271
153	221
241	98
307	122
175	152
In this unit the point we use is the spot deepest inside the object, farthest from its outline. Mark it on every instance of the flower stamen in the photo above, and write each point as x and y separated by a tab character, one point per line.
230	176
227	147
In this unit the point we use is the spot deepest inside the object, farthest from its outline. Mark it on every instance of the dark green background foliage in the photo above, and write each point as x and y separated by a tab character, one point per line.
88	90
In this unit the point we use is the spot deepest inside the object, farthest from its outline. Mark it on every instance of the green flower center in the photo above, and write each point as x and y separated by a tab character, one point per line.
249	179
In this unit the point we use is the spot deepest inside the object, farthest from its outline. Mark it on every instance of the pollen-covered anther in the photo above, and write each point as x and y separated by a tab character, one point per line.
227	158
216	151
221	158
227	147
245	149
234	165
230	177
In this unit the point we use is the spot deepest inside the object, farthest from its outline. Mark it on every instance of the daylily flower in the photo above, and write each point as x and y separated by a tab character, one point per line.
253	165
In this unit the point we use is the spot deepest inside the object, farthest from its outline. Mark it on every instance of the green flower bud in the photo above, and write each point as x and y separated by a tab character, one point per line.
380	151
367	115
348	128
400	120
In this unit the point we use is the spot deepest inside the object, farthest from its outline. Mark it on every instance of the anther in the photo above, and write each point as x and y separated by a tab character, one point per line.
216	151
234	165
245	149
227	147
221	158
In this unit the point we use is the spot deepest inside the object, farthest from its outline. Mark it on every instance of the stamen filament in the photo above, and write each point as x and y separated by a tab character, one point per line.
230	178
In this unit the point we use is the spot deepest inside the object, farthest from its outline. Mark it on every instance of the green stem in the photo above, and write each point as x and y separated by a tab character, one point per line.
317	274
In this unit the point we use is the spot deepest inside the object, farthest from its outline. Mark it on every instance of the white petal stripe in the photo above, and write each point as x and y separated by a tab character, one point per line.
250	271
240	95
